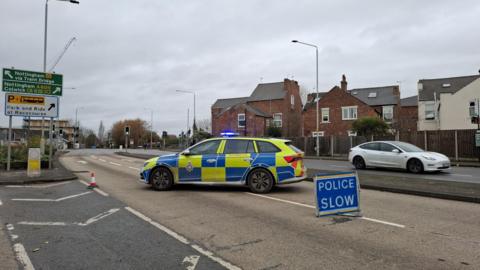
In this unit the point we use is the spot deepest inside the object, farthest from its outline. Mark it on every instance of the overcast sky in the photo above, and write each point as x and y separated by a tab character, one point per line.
131	55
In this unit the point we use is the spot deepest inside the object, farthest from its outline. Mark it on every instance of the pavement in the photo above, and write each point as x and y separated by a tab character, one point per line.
58	173
391	181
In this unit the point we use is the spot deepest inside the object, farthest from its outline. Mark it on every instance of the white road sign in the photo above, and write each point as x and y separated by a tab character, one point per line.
30	105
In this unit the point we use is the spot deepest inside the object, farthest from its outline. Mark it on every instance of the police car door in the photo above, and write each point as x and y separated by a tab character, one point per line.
203	155
237	158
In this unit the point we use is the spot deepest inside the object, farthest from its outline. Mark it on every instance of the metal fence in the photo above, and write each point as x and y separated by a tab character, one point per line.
456	144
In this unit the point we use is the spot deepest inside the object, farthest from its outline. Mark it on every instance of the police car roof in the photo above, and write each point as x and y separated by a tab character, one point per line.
250	138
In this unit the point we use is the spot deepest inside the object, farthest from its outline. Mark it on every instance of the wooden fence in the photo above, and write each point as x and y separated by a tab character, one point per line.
456	144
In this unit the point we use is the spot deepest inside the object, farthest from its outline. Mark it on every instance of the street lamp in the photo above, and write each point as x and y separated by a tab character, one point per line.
151	126
45	70
316	86
194	109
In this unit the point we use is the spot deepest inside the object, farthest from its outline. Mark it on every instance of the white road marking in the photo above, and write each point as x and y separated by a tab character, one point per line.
38	186
42	223
52	200
86	223
14	237
94	157
99	216
182	239
282	200
133	168
22	256
102	160
99	191
190	262
116	164
1	202
339	166
313	207
10	227
82	161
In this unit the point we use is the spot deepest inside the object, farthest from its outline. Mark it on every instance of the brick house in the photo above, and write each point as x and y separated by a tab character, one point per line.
270	104
408	115
339	107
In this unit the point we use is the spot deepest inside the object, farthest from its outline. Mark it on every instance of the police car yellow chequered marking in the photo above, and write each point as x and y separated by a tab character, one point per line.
237	160
213	174
195	160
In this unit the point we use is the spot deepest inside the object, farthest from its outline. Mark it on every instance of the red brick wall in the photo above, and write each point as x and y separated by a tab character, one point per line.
255	125
335	99
408	118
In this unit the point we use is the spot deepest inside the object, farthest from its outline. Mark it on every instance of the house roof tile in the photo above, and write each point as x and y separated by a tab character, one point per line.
443	85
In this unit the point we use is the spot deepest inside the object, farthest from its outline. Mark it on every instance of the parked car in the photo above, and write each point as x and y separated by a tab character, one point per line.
395	154
258	163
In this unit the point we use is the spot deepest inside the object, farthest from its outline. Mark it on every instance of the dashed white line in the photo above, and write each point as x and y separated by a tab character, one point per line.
184	240
102	160
133	168
22	256
99	191
1	202
10	227
99	216
82	162
51	200
116	164
313	207
42	223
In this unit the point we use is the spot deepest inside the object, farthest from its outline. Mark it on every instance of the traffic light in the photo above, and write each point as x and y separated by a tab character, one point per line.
127	130
60	132
53	127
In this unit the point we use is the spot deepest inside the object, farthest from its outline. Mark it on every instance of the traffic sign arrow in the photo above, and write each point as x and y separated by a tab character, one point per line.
7	73
52	105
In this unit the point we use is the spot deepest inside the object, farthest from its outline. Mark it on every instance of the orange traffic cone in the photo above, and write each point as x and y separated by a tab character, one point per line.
93	183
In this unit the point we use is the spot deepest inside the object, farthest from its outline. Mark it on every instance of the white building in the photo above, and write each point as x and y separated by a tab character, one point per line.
448	103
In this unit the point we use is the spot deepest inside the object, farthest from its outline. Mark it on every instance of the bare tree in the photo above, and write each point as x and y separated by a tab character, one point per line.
303	94
205	125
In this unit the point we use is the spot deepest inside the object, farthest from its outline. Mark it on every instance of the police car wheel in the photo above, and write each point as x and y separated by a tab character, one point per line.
260	181
161	179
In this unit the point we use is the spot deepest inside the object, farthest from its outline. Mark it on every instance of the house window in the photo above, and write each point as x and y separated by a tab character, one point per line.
277	119
292	101
387	112
349	113
430	110
318	133
241	120
325	115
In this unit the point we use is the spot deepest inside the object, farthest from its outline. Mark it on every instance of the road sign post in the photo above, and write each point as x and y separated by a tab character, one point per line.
336	193
9	147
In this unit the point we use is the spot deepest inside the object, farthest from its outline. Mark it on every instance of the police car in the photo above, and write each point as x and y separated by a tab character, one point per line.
258	163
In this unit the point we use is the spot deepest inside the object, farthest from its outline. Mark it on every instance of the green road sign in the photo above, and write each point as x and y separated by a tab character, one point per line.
31	82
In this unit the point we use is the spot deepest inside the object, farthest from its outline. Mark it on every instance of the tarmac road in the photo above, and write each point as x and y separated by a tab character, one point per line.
280	231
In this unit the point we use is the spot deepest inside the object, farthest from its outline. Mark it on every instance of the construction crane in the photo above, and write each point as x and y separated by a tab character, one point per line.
63	53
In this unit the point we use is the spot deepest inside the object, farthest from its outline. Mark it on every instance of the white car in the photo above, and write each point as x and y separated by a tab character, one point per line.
395	154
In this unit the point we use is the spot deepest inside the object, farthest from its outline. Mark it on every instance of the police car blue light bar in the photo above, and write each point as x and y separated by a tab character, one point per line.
229	134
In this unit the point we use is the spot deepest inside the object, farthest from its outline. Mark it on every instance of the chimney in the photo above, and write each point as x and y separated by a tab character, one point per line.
343	83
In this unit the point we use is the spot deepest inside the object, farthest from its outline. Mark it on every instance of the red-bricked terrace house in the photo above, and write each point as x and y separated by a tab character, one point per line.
408	116
339	107
270	104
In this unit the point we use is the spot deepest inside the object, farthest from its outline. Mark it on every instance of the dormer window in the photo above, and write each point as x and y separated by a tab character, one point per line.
446	85
372	94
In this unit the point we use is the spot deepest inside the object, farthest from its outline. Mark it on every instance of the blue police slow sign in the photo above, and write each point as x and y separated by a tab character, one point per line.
336	193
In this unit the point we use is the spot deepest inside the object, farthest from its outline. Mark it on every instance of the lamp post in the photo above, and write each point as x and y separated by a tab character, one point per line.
194	107
316	87
151	126
45	70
